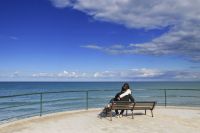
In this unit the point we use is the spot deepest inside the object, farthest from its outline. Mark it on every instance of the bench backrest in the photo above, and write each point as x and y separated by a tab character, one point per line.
148	105
122	105
145	105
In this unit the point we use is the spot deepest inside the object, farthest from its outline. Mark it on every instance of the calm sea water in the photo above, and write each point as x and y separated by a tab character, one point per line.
29	105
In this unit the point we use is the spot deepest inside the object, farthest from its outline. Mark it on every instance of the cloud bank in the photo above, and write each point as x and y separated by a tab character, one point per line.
141	74
182	16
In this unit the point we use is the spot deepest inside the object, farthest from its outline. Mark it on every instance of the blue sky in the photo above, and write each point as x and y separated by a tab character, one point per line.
99	40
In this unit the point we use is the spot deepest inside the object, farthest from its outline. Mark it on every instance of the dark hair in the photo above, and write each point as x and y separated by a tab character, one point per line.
126	86
123	89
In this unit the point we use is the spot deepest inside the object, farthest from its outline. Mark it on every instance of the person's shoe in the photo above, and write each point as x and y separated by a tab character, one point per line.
117	116
120	116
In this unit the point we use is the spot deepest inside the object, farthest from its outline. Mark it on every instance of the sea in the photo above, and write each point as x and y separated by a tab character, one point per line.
25	99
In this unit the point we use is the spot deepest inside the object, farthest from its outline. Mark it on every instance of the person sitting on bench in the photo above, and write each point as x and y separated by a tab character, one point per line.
124	95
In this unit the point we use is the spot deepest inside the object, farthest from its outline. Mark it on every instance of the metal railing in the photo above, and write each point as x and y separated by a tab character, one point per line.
13	106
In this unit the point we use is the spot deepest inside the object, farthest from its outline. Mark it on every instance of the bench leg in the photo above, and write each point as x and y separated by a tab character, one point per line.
151	113
145	112
132	115
111	115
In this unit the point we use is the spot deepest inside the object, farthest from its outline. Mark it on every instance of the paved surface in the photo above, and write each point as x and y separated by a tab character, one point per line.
169	120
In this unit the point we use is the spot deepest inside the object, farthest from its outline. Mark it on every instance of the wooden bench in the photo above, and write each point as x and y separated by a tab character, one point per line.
145	105
125	105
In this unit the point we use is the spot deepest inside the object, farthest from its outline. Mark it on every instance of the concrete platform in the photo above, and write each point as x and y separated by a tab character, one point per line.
166	120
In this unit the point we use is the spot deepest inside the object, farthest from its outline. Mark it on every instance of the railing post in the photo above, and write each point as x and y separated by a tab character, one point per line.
165	98
41	100
86	100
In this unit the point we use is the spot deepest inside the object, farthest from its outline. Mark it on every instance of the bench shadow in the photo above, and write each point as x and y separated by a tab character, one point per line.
103	115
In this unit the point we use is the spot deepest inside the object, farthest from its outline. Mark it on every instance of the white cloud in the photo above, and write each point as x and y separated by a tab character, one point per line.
15	74
123	74
117	75
106	74
61	3
183	40
64	74
69	74
182	16
92	47
138	13
42	74
179	43
148	74
129	74
114	49
117	46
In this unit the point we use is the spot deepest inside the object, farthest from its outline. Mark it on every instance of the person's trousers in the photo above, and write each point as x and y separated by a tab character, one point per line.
117	112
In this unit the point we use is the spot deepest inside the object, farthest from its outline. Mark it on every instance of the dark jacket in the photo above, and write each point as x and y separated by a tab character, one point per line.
117	95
